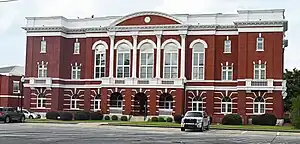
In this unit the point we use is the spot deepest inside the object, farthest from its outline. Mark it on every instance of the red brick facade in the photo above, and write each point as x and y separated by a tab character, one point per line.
8	96
59	88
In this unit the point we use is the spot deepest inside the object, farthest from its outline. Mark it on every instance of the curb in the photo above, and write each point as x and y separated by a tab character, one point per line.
292	131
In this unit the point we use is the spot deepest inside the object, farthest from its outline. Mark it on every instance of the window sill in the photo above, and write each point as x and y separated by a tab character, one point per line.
259	50
43	52
227	52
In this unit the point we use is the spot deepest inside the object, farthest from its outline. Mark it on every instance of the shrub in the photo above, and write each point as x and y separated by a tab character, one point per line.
161	119
106	117
52	115
265	119
169	119
177	118
232	119
82	115
154	119
96	116
124	118
114	117
296	112
67	116
287	119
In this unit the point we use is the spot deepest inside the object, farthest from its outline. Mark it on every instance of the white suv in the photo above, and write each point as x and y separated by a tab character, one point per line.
195	120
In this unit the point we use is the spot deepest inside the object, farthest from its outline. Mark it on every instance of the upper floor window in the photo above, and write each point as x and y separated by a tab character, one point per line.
227	71
259	71
259	105
146	60
259	43
171	60
226	105
100	59
16	86
42	69
43	45
227	45
198	61
123	63
76	70
76	47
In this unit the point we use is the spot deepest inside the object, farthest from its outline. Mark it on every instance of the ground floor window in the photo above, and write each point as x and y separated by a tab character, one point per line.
74	102
97	103
197	104
226	105
259	105
41	101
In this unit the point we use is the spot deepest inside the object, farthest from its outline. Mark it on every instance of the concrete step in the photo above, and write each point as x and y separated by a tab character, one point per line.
137	118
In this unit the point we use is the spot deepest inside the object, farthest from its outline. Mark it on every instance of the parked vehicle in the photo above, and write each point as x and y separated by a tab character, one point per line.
195	120
30	115
9	114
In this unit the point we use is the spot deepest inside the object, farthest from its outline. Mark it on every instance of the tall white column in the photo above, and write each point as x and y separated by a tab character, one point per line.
158	55
111	56
182	63
134	57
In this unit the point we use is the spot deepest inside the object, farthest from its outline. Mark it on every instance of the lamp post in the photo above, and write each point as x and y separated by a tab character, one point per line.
22	91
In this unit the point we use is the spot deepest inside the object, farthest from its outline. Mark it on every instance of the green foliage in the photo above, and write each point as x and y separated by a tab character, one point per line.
81	115
232	119
96	116
124	118
296	112
161	119
114	117
66	116
293	87
265	119
154	119
106	117
52	115
169	119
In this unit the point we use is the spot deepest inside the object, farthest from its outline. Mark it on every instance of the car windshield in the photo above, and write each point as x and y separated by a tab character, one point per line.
194	114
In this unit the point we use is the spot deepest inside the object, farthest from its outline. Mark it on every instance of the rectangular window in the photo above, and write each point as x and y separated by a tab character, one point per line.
147	60
227	72
100	65
259	71
260	44
123	65
41	103
259	108
97	104
43	46
42	70
198	65
226	107
16	86
170	65
76	47
227	46
76	72
74	104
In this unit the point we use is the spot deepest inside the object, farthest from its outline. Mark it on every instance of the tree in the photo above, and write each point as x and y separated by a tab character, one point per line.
293	87
296	112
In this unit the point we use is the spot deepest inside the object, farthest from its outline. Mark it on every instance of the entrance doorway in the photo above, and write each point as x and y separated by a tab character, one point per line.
140	105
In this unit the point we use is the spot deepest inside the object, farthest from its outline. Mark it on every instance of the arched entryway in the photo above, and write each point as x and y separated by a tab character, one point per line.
140	104
165	104
116	103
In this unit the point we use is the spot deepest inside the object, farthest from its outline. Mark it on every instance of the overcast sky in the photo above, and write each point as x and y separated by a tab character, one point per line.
12	18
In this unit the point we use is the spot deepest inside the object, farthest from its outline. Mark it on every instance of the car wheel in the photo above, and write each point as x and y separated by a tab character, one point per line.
7	119
22	119
207	127
202	128
30	117
182	129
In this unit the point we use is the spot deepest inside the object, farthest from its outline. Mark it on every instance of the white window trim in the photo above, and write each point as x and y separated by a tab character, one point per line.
164	64
140	60
43	42
76	50
259	70
77	69
75	102
99	104
197	105
257	43
225	44
44	68
226	106
18	83
259	106
42	99
192	47
227	70
99	51
117	57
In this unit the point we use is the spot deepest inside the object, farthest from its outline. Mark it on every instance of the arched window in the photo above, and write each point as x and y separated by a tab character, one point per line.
41	98
259	105
171	60
197	104
97	102
166	101
226	105
146	60
74	104
100	59
116	100
123	63
198	61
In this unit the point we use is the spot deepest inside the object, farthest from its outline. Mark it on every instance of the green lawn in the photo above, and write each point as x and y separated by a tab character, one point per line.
167	124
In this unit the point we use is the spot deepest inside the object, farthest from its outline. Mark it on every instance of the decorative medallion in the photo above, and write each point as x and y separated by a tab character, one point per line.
147	19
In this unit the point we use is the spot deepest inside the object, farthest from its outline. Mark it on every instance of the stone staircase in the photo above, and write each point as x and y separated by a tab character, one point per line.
137	118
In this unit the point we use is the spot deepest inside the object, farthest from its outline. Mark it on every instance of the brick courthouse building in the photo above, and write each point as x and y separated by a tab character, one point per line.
158	64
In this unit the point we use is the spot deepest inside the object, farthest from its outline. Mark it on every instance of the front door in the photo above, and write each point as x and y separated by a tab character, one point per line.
140	104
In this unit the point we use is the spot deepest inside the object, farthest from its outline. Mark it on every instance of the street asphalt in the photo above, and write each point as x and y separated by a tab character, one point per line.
30	133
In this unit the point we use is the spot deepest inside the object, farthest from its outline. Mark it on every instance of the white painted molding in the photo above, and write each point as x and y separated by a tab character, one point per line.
170	41
198	41
262	29
123	41
99	42
146	41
